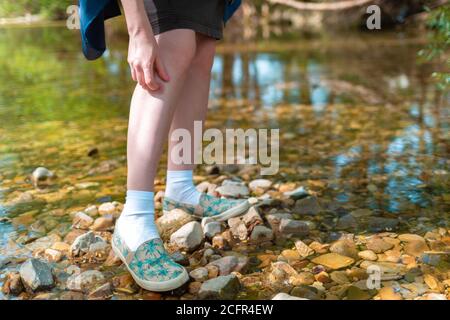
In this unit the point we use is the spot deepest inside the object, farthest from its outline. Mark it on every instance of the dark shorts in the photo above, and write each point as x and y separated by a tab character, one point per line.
202	16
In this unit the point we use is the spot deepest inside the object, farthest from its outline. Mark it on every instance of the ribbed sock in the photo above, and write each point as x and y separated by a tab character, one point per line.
137	221
180	187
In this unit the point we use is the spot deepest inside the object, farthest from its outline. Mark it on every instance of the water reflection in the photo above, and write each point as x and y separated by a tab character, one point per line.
344	119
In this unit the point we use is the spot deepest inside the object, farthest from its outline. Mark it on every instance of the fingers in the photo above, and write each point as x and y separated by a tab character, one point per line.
150	79
161	69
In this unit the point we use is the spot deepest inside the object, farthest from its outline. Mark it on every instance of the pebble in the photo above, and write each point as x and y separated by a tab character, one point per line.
409	237
368	255
36	275
340	277
307	292
103	292
13	284
252	217
229	264
107	208
41	176
302	278
261	234
415	248
378	245
220	288
238	228
53	255
263	184
296	194
285	296
172	221
291	227
303	249
333	261
85	281
85	243
199	274
355	293
232	189
104	223
188	237
345	248
388	293
378	224
82	221
211	229
307	206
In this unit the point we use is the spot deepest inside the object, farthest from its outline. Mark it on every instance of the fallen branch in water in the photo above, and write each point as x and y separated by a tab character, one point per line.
341	5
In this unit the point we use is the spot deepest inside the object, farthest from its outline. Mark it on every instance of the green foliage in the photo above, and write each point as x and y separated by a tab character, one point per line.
49	8
439	24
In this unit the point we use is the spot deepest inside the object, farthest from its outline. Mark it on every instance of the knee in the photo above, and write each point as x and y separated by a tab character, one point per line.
177	53
204	58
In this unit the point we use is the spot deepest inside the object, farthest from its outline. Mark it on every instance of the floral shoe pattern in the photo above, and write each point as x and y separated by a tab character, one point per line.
150	265
219	209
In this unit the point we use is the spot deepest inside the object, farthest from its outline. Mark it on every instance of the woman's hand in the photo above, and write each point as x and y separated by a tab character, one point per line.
147	67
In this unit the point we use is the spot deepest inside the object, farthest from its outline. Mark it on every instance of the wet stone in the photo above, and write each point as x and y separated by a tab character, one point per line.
220	288
85	281
290	227
12	284
36	275
333	261
307	206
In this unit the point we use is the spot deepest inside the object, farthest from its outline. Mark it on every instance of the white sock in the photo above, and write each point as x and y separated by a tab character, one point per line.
136	223
180	187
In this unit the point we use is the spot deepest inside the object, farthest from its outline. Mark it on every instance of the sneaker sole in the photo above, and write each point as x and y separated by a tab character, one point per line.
154	285
230	213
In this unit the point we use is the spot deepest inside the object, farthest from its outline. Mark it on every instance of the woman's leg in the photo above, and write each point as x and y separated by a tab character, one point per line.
150	116
192	106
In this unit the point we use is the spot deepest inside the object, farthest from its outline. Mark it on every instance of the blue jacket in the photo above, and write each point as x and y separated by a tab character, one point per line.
93	14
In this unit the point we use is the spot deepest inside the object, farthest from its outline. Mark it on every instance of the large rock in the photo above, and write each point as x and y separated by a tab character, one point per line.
85	281
12	284
378	245
87	242
220	288
172	221
188	237
36	275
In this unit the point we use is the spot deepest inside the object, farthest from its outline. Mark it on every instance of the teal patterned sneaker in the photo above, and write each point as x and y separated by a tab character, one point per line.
219	209
150	265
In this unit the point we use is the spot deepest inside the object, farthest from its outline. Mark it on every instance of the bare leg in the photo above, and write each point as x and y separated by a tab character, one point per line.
192	106
193	102
151	113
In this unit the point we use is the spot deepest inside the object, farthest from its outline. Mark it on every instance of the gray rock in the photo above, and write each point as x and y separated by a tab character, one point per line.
252	217
220	288
199	274
296	194
378	224
347	222
188	237
285	296
238	228
180	258
41	175
233	189
274	219
103	292
36	275
85	242
263	184
307	206
85	280
294	227
212	228
261	234
229	264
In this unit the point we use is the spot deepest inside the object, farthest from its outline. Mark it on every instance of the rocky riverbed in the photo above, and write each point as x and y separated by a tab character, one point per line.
291	244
